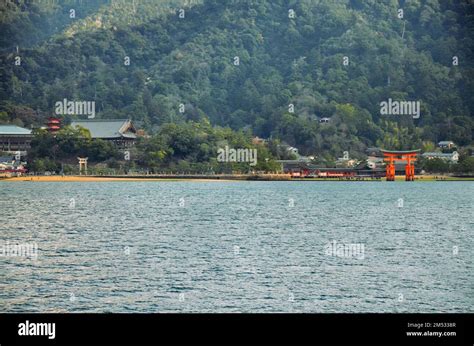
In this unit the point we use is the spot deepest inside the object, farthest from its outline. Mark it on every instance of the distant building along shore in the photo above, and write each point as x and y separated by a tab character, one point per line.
14	138
121	132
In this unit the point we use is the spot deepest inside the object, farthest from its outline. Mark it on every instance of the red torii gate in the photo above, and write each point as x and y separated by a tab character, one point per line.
409	156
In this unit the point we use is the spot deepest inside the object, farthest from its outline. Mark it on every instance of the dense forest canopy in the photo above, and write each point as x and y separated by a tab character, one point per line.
273	68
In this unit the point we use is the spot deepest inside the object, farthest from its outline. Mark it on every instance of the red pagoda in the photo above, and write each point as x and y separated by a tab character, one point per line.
54	124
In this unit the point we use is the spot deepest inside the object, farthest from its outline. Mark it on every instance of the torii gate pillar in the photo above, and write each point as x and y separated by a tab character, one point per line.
409	156
82	164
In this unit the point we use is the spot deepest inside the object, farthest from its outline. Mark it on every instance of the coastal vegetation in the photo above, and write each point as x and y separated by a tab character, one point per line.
186	147
195	75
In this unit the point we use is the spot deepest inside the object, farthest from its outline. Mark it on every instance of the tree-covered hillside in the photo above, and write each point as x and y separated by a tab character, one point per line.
25	23
272	67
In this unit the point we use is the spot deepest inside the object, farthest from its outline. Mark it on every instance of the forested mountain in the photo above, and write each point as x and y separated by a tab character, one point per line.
243	63
25	23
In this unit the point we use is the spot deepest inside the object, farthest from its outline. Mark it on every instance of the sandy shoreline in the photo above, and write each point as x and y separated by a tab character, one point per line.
78	178
56	178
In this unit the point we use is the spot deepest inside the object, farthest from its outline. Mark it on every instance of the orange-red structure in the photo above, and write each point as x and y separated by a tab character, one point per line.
54	124
408	156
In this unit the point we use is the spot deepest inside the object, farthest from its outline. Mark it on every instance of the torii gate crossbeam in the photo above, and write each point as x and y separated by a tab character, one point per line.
408	156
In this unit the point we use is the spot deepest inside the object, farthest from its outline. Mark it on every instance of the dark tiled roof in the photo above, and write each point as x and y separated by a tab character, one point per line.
8	159
107	129
13	130
400	151
436	154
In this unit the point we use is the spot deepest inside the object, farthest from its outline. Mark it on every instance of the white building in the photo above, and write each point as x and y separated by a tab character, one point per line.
324	120
446	144
451	157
